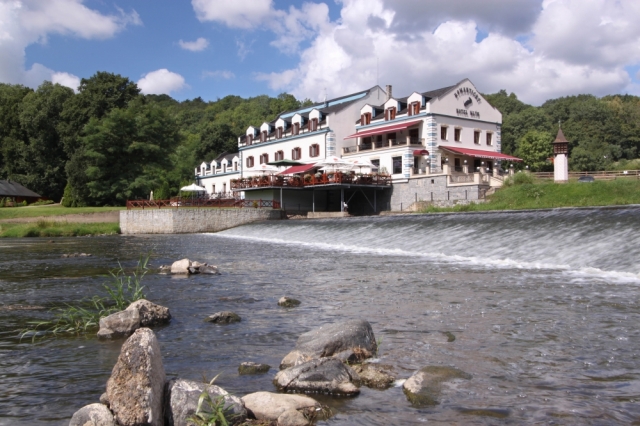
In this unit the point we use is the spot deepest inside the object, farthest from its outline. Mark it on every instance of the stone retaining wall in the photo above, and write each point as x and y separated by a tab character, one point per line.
188	220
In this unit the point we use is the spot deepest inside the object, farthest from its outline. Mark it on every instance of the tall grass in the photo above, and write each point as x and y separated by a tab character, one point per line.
122	290
44	228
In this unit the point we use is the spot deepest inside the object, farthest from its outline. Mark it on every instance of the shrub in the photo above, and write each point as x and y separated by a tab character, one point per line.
520	178
42	202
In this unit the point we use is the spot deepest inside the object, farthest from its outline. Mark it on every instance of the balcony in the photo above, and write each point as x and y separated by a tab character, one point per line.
384	144
310	180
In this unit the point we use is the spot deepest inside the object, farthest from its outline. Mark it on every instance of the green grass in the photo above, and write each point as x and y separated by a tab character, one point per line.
50	210
547	194
43	228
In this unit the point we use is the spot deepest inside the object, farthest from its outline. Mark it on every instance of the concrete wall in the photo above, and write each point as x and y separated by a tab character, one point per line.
429	189
187	220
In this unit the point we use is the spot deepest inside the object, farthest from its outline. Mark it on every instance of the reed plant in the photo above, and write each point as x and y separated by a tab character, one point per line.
122	290
211	411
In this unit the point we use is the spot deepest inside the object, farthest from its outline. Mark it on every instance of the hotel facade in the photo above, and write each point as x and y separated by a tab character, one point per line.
440	146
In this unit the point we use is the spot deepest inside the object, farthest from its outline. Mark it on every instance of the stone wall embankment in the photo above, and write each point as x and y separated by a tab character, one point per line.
187	220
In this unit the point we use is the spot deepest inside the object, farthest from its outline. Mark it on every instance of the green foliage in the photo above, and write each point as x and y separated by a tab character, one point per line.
535	149
212	411
42	202
520	178
123	290
163	192
49	229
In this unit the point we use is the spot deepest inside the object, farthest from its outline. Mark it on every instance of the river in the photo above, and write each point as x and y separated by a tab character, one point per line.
544	308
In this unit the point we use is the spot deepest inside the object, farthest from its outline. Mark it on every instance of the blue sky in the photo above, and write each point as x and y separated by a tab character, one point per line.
538	49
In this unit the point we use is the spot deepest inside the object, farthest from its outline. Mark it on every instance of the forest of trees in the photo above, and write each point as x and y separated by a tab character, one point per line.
109	143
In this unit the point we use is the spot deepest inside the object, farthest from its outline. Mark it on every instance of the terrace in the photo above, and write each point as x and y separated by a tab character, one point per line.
311	180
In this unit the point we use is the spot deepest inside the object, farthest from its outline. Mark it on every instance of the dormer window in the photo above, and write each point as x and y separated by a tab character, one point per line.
264	158
313	124
235	166
414	108
224	168
263	136
390	114
249	139
279	133
365	119
296	128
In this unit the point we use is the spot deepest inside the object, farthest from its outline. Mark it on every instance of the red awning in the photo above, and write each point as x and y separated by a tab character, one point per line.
418	152
385	129
481	154
297	169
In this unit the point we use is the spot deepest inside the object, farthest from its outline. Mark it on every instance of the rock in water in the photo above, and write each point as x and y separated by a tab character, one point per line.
375	375
181	266
351	340
424	386
93	415
181	402
135	388
224	317
326	375
288	302
209	270
252	368
120	324
150	313
285	409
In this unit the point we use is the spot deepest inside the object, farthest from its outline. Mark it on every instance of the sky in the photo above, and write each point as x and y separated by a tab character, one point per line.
538	49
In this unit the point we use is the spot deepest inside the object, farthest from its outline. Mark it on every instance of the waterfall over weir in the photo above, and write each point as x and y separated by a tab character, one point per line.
588	241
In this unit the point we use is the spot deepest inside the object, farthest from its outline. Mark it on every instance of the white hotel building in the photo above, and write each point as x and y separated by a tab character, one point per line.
441	146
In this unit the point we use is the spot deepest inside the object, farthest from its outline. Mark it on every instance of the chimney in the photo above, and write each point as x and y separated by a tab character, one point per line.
389	92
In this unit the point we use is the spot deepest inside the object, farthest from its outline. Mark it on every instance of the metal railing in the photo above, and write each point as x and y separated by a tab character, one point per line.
181	202
279	181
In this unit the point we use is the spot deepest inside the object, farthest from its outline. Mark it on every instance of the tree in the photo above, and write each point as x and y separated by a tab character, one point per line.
535	148
506	103
215	138
591	155
12	136
516	125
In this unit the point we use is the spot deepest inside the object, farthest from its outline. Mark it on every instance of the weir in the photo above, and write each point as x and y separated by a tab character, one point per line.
191	220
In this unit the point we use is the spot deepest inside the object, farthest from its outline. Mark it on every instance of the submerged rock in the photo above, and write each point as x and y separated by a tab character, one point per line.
93	415
164	269
351	340
247	368
150	313
288	302
186	266
424	386
181	402
136	386
375	376
285	409
324	375
224	317
120	324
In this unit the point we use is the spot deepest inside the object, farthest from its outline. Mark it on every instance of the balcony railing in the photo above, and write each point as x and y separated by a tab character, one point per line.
307	180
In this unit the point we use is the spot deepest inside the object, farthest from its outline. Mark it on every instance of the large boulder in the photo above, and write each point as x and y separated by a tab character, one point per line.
150	313
224	317
181	266
351	340
181	402
285	409
93	415
325	375
120	324
424	386
136	386
375	376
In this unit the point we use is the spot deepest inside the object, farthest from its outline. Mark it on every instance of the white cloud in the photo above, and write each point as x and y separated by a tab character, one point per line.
219	75
564	54
66	79
161	81
195	46
237	13
24	22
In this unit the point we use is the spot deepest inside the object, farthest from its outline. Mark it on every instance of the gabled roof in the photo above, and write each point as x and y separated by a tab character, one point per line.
560	137
437	92
226	155
10	188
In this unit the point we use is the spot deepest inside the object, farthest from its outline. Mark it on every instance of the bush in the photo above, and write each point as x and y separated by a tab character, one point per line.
42	202
69	199
162	193
520	178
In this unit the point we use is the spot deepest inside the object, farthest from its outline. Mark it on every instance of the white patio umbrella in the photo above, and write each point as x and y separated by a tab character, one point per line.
363	162
334	163
264	168
192	188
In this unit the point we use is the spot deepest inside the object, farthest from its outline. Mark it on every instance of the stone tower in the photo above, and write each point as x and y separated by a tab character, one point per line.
560	158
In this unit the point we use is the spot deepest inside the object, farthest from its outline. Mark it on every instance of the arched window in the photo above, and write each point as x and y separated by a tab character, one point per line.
296	153
279	155
249	161
264	158
314	150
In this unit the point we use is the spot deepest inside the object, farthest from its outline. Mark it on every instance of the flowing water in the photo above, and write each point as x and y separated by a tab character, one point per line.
542	309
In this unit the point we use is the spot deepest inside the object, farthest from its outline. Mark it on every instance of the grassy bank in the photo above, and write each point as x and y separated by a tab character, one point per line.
546	194
44	228
50	210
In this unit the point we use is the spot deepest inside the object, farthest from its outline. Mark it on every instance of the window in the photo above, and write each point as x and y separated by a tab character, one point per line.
476	136
414	108
313	124
443	132
376	163
314	150
296	128
235	166
296	153
213	189
279	155
249	139
390	114
263	136
264	158
249	161
414	136
397	165
456	134
365	119
489	138
224	168
279	133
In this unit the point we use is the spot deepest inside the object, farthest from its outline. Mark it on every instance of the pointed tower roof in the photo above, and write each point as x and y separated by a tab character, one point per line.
560	137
